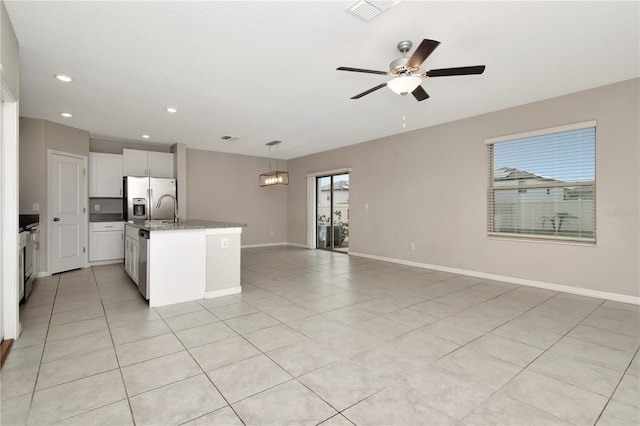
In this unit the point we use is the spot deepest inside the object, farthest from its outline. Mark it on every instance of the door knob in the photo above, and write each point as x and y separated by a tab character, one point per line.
56	219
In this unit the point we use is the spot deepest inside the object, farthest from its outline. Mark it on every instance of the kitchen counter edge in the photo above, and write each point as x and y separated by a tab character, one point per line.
185	225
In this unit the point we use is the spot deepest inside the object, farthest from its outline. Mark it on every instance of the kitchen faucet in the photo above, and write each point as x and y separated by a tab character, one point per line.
176	219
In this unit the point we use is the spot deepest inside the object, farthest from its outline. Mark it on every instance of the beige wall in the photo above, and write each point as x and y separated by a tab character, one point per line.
429	187
225	187
9	60
33	180
179	151
115	146
36	138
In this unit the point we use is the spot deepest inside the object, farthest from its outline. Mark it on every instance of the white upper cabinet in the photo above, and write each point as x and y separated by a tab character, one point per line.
147	163
160	164
105	174
135	162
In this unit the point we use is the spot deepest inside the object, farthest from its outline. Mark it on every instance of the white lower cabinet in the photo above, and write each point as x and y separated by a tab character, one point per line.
106	241
131	251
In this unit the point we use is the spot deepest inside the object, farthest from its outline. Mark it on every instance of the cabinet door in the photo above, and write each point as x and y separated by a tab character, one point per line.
134	162
160	164
105	175
107	245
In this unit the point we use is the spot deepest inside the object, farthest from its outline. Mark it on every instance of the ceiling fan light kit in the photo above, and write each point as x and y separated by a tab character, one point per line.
404	84
407	74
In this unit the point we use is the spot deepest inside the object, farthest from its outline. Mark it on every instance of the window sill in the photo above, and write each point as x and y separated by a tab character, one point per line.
544	240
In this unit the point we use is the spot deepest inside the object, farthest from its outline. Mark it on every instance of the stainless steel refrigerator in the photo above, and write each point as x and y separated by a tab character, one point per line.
141	195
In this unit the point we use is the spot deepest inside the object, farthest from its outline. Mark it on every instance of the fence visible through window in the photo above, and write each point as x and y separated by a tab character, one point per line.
542	184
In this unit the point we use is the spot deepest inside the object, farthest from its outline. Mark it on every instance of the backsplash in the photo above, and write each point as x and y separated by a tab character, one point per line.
105	205
105	209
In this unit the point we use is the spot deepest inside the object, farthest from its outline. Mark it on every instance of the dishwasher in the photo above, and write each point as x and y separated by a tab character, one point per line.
143	272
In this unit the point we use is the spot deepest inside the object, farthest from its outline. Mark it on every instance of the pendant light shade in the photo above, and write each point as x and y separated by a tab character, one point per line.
274	178
404	84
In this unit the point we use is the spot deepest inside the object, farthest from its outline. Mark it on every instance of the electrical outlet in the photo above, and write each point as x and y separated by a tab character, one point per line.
271	232
96	207
412	246
35	207
224	243
366	206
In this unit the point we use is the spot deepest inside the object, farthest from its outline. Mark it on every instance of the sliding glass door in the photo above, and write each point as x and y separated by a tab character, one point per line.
332	212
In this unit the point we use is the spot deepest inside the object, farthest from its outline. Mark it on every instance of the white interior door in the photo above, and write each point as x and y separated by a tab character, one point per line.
66	215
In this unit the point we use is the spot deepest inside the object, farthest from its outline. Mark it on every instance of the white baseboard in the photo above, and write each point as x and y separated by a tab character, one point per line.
106	262
223	292
297	245
264	245
44	274
274	245
513	280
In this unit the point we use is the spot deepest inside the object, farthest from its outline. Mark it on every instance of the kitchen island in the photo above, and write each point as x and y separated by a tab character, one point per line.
188	260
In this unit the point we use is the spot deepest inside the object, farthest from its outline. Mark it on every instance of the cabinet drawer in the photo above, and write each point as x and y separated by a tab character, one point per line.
107	226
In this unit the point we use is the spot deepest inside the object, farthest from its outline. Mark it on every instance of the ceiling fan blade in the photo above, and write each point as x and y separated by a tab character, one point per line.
361	70
420	94
444	72
422	52
366	92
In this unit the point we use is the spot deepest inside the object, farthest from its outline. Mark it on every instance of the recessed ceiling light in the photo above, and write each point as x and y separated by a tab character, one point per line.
66	114
145	136
172	110
64	78
229	138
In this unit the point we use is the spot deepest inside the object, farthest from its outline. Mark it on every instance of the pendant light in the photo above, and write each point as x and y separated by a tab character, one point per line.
277	177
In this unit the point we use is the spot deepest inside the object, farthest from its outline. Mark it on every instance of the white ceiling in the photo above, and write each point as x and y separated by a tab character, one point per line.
265	70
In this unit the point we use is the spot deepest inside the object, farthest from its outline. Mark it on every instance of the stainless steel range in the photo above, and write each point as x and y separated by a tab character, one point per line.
29	253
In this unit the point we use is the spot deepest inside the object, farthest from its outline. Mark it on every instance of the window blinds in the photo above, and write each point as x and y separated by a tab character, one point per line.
542	184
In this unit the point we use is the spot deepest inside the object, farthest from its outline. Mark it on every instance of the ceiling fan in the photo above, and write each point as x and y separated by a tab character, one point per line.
407	74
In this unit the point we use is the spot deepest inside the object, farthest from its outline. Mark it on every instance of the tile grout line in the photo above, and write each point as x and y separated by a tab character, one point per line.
115	354
201	369
537	357
44	345
293	378
113	345
350	358
617	386
308	278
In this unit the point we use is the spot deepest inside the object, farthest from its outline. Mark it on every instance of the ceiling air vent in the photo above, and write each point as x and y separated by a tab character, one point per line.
229	138
369	9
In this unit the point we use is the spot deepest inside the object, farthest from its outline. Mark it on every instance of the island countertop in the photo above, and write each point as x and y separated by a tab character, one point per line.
184	225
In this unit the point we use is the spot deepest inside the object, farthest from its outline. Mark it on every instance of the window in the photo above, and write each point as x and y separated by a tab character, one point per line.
542	184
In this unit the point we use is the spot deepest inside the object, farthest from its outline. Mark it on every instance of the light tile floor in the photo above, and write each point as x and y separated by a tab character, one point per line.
322	338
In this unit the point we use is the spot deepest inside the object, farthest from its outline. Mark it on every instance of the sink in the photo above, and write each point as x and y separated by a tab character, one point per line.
155	222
